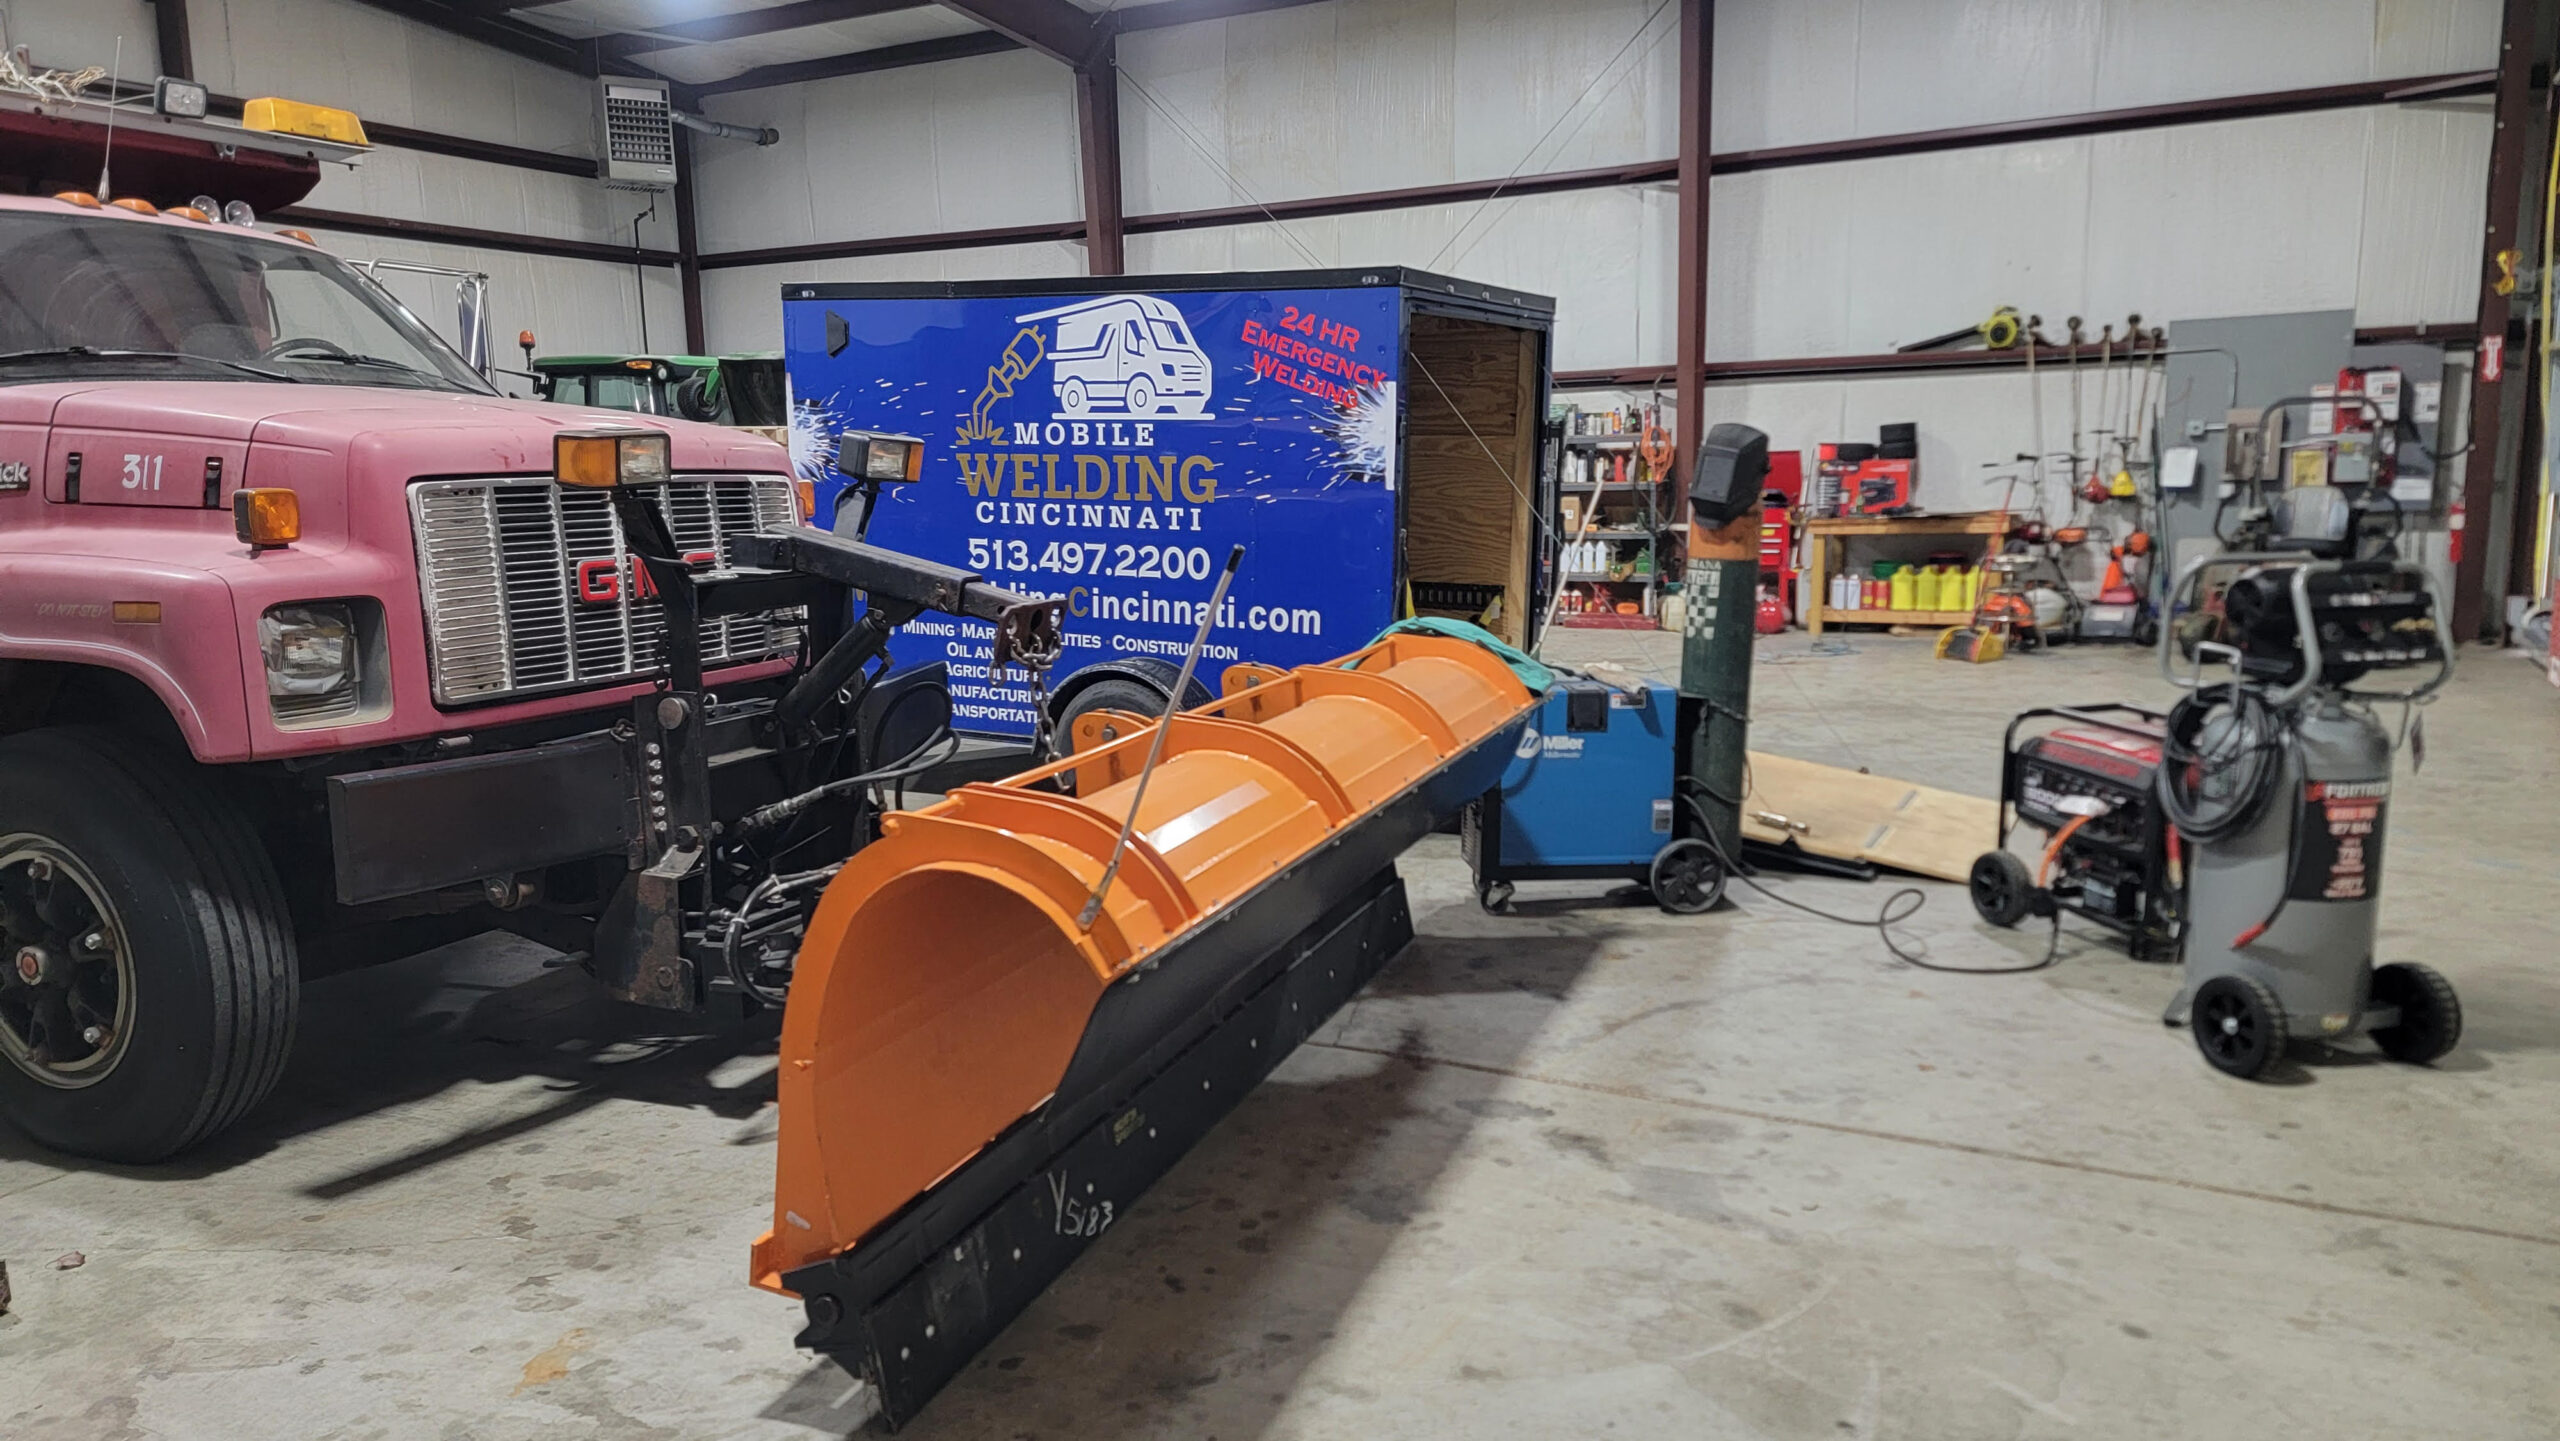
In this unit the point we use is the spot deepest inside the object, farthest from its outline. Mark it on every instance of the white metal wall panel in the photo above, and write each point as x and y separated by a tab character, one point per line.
963	145
66	36
1384	94
1793	72
744	305
2426	191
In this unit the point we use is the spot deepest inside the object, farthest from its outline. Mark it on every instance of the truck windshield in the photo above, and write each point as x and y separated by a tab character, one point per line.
83	297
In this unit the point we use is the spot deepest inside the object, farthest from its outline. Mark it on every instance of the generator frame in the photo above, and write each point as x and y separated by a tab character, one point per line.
2153	931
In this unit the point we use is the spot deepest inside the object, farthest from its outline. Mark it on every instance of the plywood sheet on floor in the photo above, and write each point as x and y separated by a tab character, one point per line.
1852	816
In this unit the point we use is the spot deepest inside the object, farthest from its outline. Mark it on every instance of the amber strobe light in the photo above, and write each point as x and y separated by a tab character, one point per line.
605	458
264	516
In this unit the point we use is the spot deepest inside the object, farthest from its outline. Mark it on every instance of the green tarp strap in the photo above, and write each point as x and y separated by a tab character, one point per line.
1533	675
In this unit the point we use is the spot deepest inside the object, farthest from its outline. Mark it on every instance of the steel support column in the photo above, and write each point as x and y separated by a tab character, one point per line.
1098	148
177	43
2492	457
688	247
1697	51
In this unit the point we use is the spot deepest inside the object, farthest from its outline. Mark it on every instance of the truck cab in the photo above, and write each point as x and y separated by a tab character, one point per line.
315	650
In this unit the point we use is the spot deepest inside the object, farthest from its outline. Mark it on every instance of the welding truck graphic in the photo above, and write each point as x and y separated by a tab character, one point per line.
1125	355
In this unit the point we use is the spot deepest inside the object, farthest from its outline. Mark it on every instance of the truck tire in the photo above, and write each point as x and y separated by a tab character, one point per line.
1115	693
148	981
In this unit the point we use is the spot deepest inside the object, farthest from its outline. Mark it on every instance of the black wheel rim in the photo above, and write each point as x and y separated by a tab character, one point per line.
1685	879
2228	1028
66	973
1991	892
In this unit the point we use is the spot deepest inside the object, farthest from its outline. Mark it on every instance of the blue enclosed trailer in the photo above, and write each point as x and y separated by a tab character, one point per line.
1371	436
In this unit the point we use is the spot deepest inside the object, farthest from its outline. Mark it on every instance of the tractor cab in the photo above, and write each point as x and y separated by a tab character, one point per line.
746	391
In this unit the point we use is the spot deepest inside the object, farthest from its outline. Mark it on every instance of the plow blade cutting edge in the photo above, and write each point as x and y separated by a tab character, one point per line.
973	1087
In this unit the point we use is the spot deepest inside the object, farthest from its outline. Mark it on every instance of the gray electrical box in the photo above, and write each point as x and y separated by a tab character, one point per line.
635	133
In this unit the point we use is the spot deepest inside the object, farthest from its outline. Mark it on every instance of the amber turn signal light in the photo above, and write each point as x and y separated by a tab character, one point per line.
601	459
265	516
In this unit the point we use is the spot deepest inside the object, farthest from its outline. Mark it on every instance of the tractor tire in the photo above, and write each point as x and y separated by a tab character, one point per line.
2002	889
148	977
2238	1026
2430	1013
1115	693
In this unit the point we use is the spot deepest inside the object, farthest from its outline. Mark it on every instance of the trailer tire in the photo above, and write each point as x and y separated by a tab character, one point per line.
1114	693
2430	1013
189	914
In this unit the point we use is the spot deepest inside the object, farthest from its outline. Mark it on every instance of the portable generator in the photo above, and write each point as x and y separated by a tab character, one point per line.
2087	784
2269	790
1589	796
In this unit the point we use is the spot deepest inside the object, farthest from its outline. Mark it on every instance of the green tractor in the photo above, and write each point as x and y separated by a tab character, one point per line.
746	391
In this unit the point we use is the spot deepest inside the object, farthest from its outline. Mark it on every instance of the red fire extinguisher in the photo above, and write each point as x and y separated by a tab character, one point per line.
2454	522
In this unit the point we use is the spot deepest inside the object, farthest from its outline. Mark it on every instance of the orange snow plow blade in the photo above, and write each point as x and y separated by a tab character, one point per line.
972	1085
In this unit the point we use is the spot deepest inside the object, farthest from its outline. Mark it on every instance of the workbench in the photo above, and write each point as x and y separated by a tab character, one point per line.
1991	525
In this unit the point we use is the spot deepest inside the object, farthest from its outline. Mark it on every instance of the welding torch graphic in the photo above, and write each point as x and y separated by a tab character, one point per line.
1016	365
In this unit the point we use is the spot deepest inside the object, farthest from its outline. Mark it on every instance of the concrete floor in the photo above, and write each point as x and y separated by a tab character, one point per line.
1589	1170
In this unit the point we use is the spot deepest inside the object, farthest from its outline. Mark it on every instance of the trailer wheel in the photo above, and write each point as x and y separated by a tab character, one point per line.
149	987
2003	892
1110	694
2430	1013
1687	879
2238	1026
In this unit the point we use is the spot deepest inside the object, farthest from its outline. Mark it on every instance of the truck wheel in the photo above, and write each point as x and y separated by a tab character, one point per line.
148	993
2002	890
1142	396
1072	396
1112	694
2238	1026
2430	1013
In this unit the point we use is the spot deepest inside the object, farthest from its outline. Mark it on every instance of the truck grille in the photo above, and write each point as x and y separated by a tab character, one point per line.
528	586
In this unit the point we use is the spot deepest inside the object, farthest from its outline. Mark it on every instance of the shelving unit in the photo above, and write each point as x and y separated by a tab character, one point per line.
1631	526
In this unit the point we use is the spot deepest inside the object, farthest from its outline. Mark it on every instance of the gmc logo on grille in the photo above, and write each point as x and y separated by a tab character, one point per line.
600	581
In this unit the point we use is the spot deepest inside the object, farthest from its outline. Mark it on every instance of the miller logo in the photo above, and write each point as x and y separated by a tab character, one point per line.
1112	356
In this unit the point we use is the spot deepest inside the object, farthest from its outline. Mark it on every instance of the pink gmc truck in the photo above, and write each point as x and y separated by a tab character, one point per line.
316	650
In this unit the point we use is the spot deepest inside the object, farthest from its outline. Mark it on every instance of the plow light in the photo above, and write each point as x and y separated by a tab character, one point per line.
296	117
869	455
600	459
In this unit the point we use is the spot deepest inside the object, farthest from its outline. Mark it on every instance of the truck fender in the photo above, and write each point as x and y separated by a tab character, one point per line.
1154	672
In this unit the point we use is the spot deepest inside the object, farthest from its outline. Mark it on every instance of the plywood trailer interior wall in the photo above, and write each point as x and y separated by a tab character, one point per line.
1471	446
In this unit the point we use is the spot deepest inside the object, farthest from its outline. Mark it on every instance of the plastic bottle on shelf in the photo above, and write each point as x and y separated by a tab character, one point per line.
1924	588
1905	589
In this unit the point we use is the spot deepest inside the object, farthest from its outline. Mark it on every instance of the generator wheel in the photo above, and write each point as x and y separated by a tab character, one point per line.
2430	1013
2238	1026
1687	879
2001	887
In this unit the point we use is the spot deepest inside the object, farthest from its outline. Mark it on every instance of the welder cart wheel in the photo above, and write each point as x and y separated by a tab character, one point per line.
148	980
1687	878
1494	896
2238	1026
2430	1014
1111	694
2003	892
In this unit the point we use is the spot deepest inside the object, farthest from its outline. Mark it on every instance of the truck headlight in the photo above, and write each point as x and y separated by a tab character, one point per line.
310	650
605	458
